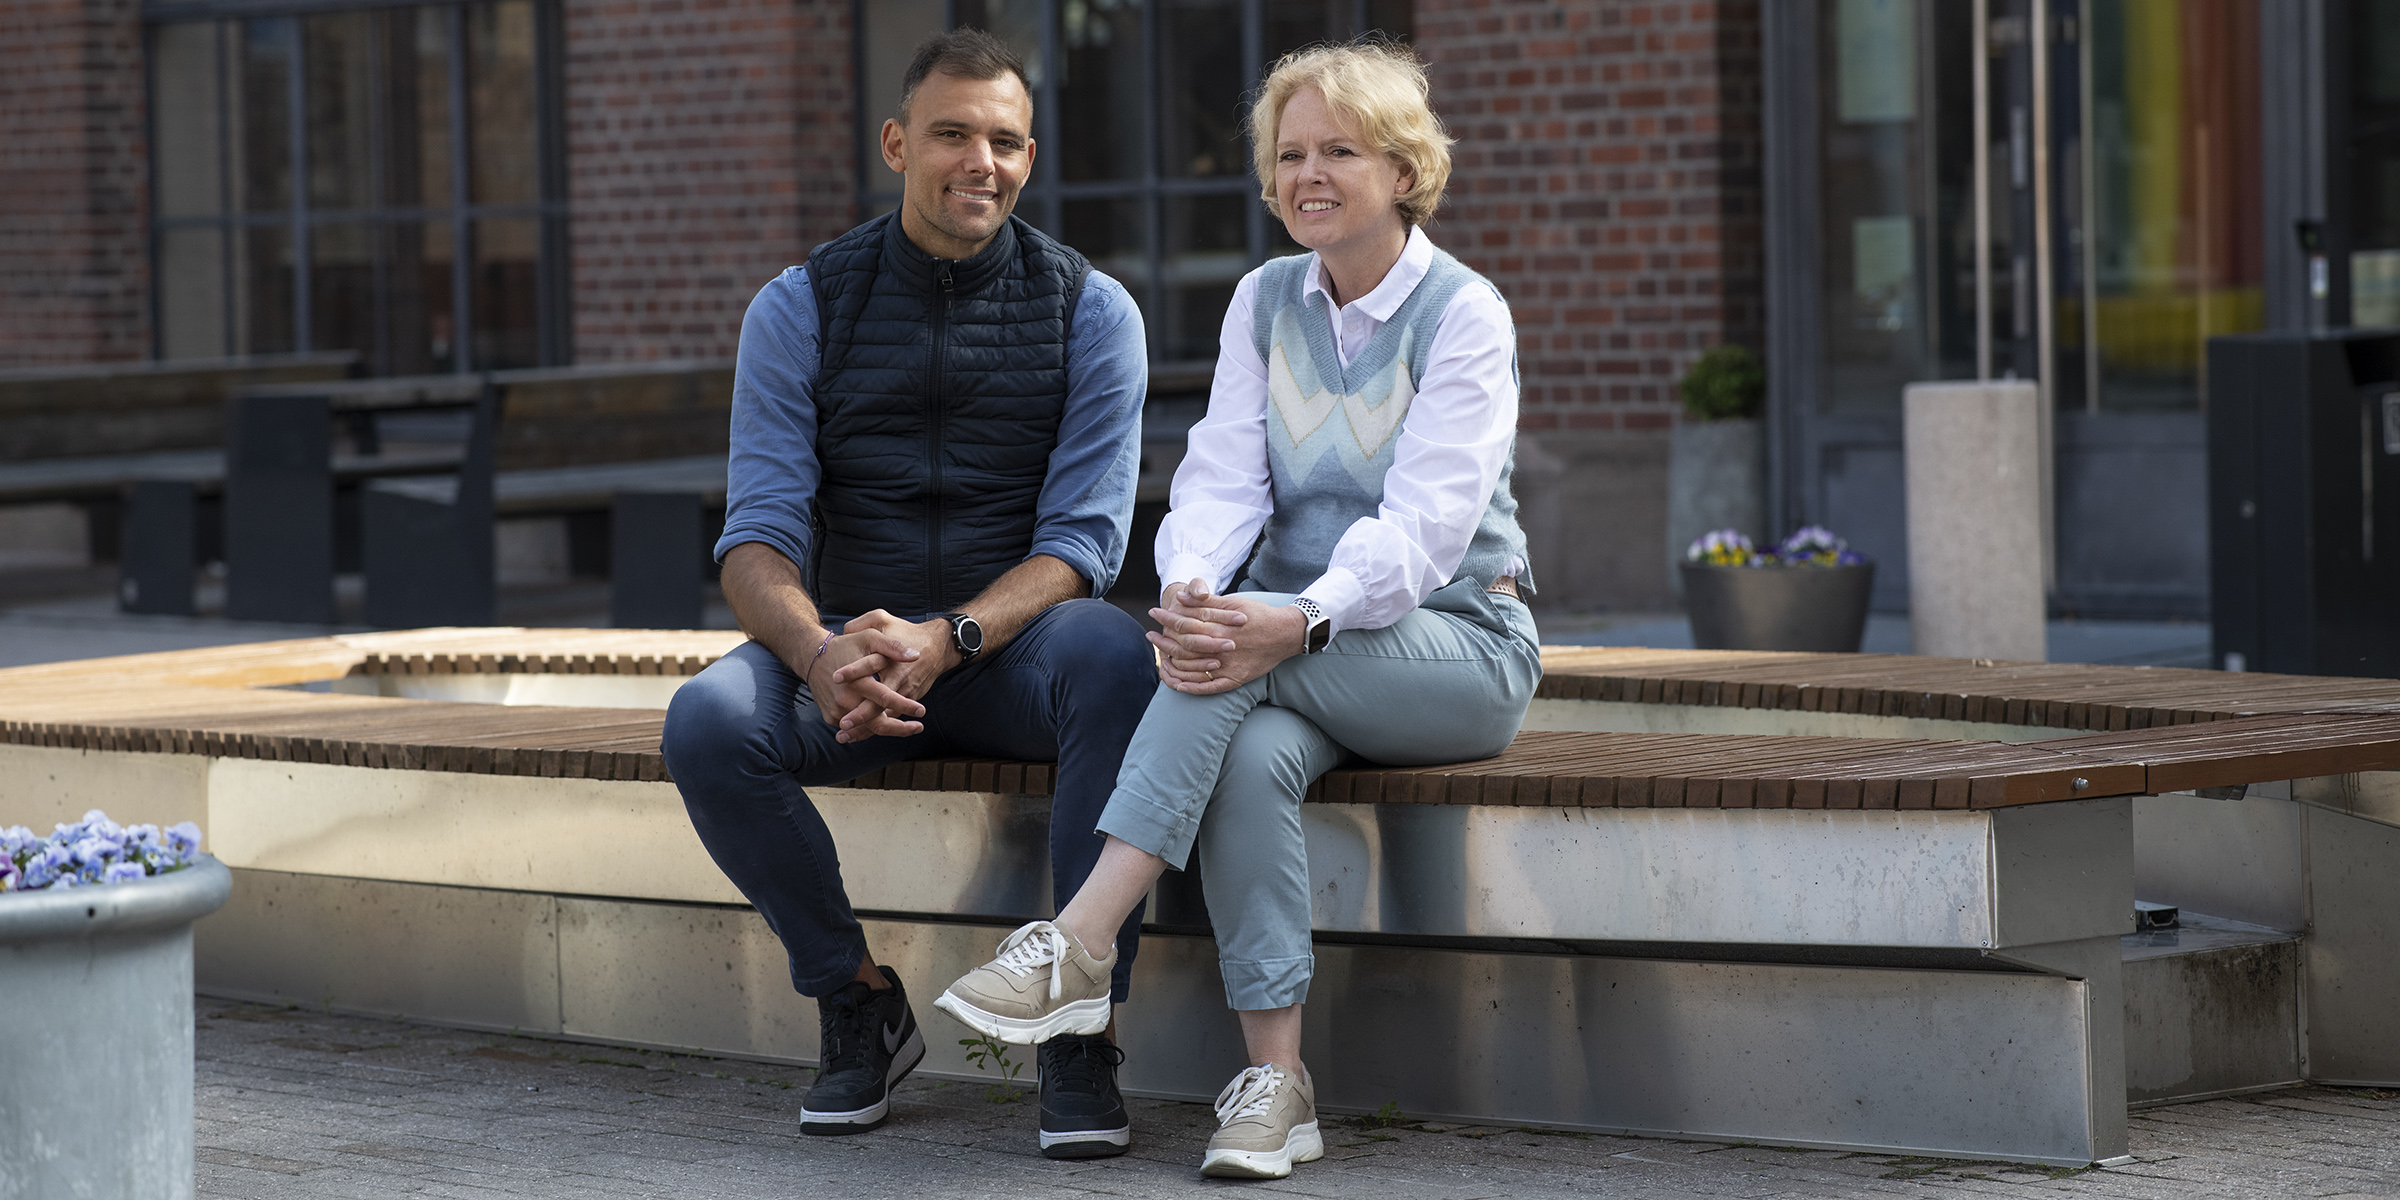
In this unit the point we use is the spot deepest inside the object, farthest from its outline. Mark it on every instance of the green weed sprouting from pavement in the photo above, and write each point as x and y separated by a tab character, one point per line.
989	1055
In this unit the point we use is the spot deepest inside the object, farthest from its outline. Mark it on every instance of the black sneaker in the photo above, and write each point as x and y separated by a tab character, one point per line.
870	1044
1082	1114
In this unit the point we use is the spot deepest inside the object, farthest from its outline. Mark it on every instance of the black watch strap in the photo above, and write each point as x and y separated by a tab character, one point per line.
966	635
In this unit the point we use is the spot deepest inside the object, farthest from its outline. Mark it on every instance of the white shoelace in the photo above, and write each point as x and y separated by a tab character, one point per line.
1033	947
1249	1094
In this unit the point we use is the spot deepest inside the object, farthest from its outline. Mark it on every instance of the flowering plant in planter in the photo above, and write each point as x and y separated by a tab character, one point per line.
93	851
1817	601
96	982
1809	546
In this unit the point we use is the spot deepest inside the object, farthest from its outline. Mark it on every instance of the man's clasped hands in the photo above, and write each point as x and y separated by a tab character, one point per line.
870	679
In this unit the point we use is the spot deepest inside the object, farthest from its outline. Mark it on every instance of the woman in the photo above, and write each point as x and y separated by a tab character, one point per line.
1352	476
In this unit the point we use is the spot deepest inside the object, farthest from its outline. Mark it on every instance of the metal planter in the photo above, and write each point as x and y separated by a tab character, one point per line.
96	985
1778	608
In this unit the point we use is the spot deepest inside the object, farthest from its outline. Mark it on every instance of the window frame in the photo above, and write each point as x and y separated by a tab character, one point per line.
298	218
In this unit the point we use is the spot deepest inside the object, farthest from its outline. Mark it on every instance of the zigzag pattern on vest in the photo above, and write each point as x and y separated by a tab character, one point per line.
938	400
1333	429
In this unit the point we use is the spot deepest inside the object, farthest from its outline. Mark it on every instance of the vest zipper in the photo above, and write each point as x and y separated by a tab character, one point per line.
933	441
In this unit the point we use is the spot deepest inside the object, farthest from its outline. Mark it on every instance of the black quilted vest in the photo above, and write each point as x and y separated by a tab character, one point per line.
938	403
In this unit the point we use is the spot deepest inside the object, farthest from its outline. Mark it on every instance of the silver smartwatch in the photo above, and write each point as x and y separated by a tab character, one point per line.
1320	630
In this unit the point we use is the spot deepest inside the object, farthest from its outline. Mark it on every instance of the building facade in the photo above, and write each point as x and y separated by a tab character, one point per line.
1869	191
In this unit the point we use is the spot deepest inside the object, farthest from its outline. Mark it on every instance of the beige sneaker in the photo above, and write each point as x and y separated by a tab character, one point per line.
1041	985
1267	1120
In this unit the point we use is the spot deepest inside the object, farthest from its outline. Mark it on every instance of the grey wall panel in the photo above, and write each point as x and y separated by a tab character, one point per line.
1696	875
1975	1063
680	976
463	956
2352	950
2062	871
2238	859
2208	1021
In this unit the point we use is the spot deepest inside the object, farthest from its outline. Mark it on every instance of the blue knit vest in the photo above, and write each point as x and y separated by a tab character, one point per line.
1332	430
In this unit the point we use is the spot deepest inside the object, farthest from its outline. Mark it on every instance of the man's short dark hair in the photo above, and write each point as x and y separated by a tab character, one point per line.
963	54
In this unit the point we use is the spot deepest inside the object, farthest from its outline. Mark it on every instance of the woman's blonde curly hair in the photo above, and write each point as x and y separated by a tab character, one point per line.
1379	90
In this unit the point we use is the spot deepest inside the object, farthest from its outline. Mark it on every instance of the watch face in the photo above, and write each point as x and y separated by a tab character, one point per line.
967	632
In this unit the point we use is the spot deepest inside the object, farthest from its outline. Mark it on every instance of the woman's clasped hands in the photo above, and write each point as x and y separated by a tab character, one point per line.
1210	643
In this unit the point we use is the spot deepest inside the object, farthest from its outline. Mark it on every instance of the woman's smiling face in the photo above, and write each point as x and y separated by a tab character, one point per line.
1332	188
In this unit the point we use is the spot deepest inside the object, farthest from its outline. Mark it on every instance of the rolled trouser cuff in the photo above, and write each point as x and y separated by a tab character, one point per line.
1152	826
1255	984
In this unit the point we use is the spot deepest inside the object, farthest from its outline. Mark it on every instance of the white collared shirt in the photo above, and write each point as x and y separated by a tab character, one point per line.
1452	446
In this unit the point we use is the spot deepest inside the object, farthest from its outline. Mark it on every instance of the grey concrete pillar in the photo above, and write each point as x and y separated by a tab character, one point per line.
1975	520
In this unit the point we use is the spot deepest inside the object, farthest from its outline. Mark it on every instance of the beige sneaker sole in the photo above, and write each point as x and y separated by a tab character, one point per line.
1303	1144
1078	1016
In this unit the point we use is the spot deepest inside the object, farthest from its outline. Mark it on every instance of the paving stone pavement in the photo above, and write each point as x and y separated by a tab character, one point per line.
295	1103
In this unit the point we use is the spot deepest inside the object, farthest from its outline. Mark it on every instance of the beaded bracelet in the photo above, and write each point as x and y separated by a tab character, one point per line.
812	659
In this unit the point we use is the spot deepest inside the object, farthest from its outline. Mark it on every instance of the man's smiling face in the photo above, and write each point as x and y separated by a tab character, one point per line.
966	152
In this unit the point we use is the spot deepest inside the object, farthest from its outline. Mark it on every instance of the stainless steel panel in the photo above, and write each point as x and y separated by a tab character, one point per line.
1614	716
1703	875
2211	1008
1696	875
1981	1064
2352	951
2062	871
462	956
2239	859
2367	795
2098	962
1975	1063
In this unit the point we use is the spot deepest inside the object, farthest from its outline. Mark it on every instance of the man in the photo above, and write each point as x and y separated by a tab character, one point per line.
936	427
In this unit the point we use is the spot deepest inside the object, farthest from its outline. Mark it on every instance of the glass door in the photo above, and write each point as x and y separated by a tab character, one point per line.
2063	191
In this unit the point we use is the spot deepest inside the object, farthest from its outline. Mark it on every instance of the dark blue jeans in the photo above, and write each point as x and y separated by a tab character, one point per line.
744	740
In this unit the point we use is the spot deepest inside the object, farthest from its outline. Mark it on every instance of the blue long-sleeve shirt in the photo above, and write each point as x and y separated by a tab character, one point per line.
1085	511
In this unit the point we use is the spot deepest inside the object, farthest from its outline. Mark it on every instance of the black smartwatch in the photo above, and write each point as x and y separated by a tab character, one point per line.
966	635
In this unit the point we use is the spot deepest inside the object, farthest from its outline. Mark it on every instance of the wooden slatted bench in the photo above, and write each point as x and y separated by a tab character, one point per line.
1928	865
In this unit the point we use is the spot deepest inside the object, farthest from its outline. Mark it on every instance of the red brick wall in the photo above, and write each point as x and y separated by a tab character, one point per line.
708	147
1607	179
74	183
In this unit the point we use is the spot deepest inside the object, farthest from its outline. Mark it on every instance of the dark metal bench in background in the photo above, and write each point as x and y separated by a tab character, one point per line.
417	519
101	436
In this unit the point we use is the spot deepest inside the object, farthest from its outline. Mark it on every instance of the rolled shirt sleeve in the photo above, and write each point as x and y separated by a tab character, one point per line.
772	473
1084	515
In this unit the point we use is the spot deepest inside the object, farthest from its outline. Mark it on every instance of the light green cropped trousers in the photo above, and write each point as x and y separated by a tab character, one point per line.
1449	682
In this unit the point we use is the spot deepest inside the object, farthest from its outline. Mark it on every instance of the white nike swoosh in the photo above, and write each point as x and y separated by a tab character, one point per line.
891	1040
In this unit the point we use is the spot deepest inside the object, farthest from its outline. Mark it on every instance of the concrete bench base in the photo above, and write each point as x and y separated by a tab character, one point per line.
1986	1064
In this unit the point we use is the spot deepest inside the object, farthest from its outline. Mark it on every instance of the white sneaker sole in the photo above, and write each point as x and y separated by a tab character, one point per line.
1080	1016
861	1120
1303	1144
1114	1137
